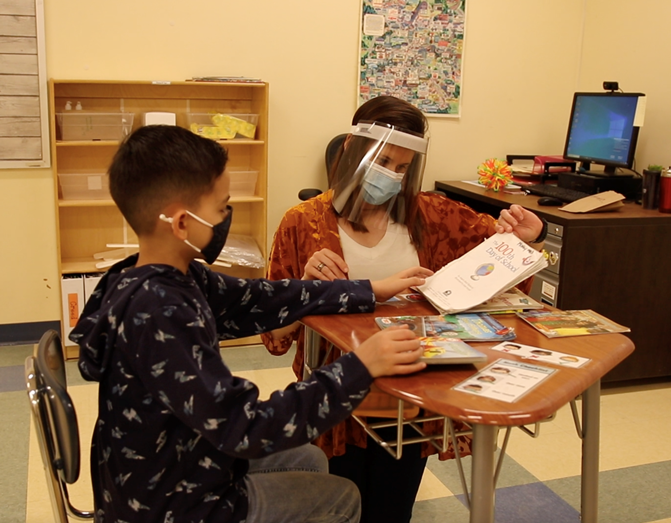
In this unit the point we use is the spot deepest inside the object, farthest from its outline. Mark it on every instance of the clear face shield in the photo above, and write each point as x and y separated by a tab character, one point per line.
378	175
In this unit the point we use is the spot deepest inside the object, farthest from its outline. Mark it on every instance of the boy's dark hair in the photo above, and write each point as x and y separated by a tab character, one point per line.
160	164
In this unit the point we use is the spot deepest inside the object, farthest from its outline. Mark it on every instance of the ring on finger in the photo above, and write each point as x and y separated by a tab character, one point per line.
320	267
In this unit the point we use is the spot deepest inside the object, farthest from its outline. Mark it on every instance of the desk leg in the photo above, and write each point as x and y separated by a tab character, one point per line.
589	493
311	354
482	474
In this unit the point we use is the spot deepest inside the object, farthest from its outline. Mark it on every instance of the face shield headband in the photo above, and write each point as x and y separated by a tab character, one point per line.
379	172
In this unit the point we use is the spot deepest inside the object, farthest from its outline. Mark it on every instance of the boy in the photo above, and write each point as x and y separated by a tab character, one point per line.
175	429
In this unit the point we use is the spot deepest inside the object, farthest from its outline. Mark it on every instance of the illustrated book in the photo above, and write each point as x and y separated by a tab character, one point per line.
442	350
497	264
557	324
466	327
511	300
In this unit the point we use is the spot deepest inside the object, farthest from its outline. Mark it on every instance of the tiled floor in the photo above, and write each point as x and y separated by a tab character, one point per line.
539	482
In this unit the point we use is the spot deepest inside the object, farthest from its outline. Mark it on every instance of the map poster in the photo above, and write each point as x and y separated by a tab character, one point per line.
413	50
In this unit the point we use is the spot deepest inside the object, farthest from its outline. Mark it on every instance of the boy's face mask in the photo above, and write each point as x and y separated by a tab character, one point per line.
380	184
219	234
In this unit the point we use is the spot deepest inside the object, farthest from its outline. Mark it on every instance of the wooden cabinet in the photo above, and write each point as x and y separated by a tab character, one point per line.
86	227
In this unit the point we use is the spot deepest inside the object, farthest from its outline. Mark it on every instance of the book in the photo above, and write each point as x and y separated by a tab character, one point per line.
466	327
557	324
445	350
497	264
511	300
224	79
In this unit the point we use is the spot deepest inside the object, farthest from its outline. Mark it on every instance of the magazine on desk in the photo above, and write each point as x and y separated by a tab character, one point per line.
497	264
443	337
446	350
511	300
557	324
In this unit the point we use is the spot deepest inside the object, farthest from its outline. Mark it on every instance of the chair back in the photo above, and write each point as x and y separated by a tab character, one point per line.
329	157
332	151
55	423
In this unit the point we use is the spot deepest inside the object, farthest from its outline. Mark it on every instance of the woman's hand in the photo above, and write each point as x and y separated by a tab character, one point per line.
325	265
521	222
389	287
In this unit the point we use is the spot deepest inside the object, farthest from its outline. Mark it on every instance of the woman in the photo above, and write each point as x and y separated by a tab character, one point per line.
374	221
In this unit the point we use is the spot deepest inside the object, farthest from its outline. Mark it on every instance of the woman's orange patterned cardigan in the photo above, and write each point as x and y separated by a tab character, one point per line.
449	229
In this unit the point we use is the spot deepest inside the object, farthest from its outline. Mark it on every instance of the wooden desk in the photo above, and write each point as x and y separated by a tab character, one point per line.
431	389
615	263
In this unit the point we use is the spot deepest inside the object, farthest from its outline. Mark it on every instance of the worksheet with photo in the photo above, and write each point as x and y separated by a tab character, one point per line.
529	352
505	380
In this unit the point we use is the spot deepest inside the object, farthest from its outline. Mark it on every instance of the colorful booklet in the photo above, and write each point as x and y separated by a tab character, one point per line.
512	300
442	350
497	264
466	327
557	324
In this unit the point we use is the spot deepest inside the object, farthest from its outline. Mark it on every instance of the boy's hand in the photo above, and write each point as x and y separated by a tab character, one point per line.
325	265
389	287
391	351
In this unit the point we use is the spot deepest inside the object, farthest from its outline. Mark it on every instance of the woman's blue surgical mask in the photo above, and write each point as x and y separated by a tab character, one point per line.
380	184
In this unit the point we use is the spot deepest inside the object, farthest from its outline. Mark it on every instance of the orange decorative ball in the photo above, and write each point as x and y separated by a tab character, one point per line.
494	174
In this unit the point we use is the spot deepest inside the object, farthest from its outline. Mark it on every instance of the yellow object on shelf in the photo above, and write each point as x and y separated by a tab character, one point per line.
221	126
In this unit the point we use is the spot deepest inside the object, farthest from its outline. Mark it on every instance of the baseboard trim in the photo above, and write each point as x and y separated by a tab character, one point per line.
26	333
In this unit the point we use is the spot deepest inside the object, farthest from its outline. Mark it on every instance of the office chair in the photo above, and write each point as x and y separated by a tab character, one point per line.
55	423
329	157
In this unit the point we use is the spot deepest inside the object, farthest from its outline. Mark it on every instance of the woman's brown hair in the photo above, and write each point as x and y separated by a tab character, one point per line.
405	117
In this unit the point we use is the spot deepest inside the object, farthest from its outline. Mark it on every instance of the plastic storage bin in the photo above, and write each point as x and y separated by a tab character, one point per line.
78	125
87	186
220	126
243	183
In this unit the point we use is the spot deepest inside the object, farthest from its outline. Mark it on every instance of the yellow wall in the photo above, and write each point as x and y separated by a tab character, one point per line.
523	60
628	42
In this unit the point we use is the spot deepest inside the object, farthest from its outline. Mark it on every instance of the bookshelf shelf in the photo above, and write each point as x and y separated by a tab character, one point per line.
85	227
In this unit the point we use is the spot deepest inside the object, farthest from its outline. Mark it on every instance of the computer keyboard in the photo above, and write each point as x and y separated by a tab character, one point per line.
561	193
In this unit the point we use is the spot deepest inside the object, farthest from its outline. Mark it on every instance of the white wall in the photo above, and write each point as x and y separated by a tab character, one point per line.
522	63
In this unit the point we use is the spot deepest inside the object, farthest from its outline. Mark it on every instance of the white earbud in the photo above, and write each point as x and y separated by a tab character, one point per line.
165	218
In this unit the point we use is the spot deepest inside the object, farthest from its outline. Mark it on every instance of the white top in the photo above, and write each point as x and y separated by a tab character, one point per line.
392	254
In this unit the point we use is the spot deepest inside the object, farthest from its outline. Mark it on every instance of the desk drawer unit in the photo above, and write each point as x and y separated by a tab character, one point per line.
545	287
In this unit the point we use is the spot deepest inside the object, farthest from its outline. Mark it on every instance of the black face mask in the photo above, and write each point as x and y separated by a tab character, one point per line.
219	234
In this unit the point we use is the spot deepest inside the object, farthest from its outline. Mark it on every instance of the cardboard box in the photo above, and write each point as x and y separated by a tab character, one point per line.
72	299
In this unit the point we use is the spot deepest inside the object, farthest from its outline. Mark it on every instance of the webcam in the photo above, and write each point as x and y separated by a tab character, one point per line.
611	86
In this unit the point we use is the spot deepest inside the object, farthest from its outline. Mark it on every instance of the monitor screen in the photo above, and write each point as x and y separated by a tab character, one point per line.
601	130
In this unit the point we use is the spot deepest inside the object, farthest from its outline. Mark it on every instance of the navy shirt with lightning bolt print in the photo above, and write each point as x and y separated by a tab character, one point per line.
175	428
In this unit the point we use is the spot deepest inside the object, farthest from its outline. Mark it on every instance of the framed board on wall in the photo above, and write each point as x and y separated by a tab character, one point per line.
24	122
413	50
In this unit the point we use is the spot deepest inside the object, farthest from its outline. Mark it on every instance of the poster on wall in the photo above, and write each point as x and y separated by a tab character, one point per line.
413	50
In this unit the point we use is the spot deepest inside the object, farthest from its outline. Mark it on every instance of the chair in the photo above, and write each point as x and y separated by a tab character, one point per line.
329	157
55	423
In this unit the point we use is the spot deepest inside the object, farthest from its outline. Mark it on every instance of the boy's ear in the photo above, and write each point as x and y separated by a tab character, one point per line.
177	222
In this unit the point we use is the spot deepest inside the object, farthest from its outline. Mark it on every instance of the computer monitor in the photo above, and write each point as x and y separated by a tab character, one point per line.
602	130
